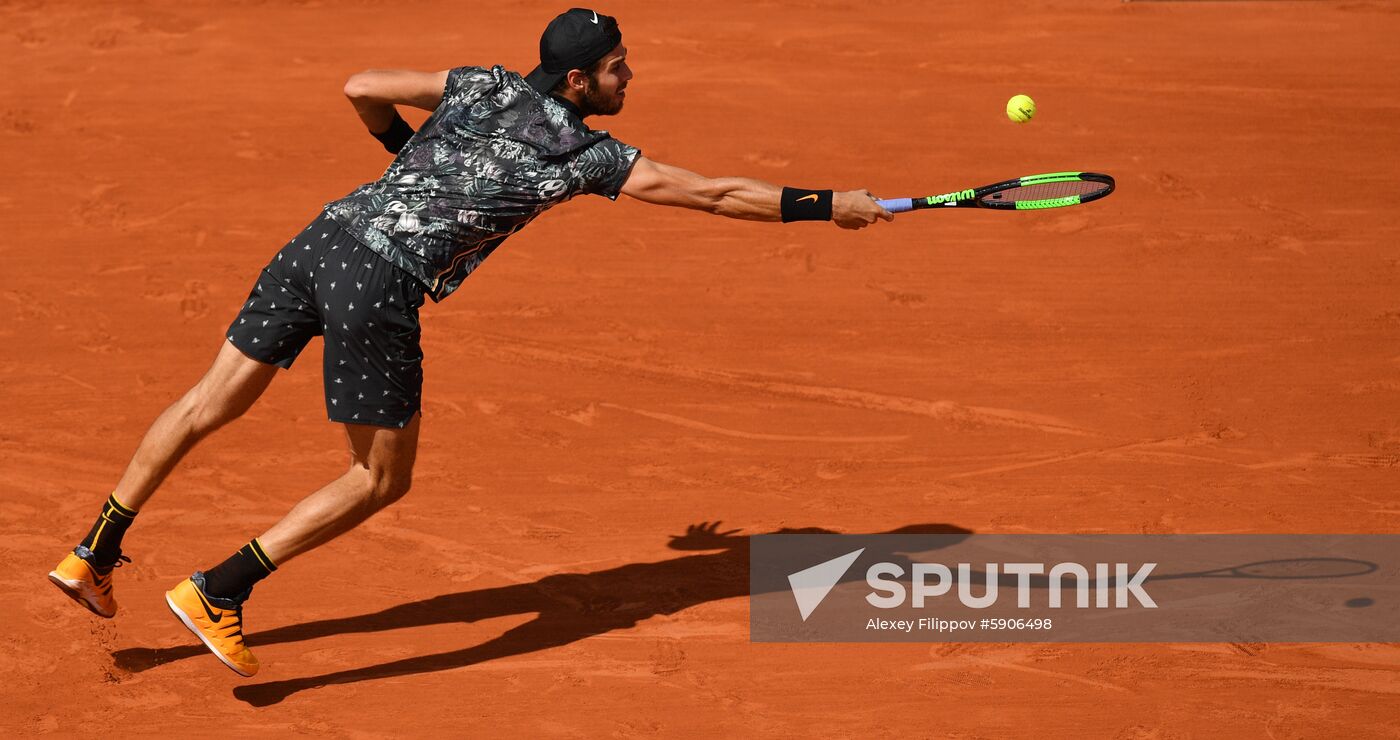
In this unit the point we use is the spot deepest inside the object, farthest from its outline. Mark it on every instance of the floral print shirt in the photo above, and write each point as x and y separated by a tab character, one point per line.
493	156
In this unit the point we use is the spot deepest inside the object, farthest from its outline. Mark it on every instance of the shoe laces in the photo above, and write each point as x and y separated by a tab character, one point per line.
115	564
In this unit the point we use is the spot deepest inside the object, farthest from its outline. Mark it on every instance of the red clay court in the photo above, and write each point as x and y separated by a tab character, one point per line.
1213	349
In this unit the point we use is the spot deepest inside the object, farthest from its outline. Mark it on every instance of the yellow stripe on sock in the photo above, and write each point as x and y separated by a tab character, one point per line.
122	508
261	556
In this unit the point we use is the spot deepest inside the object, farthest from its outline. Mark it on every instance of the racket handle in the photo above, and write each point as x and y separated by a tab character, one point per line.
898	205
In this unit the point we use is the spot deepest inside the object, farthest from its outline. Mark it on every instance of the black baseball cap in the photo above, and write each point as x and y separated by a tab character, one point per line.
575	39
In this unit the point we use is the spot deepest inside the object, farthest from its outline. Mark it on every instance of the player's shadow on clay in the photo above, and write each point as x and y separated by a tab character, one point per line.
569	607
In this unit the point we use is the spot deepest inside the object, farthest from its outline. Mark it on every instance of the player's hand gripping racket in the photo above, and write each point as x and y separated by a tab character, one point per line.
1053	190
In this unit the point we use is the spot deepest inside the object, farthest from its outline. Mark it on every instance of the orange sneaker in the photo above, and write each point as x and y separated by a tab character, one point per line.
218	623
83	582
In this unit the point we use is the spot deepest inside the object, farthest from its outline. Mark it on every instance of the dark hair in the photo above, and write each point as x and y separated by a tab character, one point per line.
591	71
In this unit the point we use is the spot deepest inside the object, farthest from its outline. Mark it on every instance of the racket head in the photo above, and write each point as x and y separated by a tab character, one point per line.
1050	190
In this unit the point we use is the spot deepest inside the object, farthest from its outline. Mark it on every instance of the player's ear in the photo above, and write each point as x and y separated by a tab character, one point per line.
577	79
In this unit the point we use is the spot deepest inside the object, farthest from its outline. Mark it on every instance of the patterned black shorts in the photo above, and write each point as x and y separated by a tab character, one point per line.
325	282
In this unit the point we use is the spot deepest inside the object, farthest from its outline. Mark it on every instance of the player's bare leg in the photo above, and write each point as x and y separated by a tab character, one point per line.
225	392
381	470
211	603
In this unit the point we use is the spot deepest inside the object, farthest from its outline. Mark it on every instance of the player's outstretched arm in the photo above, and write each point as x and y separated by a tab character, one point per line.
375	92
744	198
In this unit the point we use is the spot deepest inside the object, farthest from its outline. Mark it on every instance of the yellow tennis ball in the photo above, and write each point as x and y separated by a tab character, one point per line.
1020	108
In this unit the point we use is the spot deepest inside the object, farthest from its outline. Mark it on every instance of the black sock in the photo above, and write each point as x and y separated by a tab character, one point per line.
233	578
105	537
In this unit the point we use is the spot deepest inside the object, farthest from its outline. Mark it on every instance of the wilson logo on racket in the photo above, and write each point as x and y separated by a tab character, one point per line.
934	200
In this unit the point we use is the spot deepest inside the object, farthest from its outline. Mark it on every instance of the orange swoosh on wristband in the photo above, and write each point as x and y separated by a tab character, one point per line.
813	196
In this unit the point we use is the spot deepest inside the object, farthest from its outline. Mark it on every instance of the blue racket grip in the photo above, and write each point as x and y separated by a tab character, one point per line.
898	205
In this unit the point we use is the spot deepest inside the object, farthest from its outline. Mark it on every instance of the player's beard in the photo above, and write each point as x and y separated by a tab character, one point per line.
598	103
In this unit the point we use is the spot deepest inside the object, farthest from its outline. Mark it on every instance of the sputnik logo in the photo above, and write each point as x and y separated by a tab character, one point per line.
811	585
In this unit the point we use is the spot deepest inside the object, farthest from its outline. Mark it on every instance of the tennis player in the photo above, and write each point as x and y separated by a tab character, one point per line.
498	150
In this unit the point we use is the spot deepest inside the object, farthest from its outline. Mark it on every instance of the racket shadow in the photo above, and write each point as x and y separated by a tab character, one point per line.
569	607
1286	569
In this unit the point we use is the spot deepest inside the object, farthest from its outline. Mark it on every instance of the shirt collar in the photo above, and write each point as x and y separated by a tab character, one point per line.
569	106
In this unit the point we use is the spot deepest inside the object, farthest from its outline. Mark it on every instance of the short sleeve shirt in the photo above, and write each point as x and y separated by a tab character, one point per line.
493	156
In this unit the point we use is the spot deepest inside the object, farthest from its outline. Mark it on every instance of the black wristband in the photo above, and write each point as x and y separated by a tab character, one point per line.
806	205
398	134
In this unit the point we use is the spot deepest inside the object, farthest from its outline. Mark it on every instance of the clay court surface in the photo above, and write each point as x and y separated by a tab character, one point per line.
1214	348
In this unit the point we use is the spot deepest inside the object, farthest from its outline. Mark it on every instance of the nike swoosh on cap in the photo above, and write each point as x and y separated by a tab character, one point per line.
595	17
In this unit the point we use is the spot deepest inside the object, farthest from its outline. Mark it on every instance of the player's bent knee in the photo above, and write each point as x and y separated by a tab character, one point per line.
384	488
208	409
192	410
394	488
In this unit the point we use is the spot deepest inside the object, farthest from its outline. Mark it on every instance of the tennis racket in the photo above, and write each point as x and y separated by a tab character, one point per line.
1053	190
